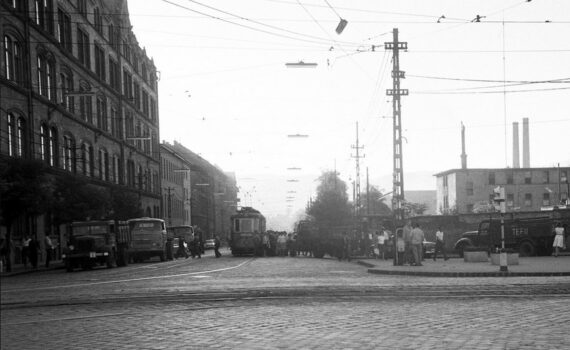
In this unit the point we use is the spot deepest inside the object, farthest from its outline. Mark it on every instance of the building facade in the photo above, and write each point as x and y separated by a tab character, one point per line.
176	187
212	194
78	93
462	191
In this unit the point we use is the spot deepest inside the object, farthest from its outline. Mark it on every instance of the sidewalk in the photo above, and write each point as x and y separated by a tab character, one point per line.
456	267
18	269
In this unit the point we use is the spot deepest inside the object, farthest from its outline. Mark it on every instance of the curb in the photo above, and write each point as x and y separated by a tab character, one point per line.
375	271
30	271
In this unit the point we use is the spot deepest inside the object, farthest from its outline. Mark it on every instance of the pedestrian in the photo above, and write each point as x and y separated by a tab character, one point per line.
408	258
33	248
558	239
266	244
439	244
6	249
196	248
181	251
217	246
50	249
282	244
400	247
25	250
417	238
381	241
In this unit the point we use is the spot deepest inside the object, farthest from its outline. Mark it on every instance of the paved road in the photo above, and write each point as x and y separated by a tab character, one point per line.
245	303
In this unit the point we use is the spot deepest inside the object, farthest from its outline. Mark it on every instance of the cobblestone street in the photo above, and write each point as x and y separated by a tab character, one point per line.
279	303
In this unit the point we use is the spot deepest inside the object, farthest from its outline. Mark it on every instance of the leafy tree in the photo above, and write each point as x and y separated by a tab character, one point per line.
76	199
414	209
125	205
331	207
25	189
376	201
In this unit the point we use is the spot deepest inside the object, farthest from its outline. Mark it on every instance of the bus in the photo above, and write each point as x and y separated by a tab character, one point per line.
148	238
247	228
90	243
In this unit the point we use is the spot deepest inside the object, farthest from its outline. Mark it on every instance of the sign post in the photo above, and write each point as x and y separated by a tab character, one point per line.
499	197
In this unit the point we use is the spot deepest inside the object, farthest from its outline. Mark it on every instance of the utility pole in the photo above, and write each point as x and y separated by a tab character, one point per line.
396	92
357	179
367	194
169	189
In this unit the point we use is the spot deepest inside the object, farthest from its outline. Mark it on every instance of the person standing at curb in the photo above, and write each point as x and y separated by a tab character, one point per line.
25	250
407	240
49	249
417	238
439	244
381	240
217	246
558	239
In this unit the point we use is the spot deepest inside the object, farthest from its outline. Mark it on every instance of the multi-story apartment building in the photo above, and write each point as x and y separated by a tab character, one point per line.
212	195
176	187
78	93
526	189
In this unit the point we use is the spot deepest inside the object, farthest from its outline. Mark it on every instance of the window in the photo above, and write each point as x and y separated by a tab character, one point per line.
145	102
16	135
48	145
82	7
127	84
102	113
69	162
43	14
115	169
527	177
113	37
64	29
444	181
510	199
528	199
546	176
83	48
86	104
138	135
103	164
46	76
127	51
130	173
137	97
135	63
146	142
16	4
144	73
563	176
510	178
114	74
130	126
116	127
546	199
469	188
491	178
13	69
100	62
98	20
87	159
67	101
152	110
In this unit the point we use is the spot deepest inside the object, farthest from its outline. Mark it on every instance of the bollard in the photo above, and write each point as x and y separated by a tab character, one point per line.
503	261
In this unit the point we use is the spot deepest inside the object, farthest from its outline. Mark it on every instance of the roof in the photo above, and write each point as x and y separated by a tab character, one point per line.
459	170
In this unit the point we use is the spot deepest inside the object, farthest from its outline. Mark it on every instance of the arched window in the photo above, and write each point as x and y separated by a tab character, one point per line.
13	69
115	169
102	113
87	159
85	102
66	78
16	135
69	158
103	164
48	145
46	76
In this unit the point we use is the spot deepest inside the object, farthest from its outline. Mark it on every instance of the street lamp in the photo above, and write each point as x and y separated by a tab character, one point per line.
300	64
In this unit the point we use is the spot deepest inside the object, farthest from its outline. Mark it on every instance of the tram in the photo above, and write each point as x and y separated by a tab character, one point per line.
248	226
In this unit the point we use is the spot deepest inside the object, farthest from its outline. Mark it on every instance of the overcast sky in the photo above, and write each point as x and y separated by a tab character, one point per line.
225	92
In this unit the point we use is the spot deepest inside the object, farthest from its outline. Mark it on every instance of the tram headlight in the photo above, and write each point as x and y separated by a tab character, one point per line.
71	247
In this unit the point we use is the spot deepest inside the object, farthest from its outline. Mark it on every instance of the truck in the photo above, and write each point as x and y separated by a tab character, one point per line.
528	236
149	239
92	243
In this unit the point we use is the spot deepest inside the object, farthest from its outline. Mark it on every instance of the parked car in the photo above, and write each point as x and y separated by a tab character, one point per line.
209	244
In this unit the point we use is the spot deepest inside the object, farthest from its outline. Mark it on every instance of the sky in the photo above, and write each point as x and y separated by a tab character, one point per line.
225	91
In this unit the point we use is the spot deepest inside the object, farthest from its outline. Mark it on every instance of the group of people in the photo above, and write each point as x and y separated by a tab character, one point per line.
195	247
29	251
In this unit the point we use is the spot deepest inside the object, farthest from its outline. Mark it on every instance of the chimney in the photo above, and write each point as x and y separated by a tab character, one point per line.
463	155
526	145
516	155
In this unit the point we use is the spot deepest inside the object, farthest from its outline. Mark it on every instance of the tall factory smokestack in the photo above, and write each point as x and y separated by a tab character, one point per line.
463	155
516	155
526	145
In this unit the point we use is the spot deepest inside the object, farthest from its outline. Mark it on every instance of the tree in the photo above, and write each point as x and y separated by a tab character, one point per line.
414	209
377	203
125	205
76	199
331	207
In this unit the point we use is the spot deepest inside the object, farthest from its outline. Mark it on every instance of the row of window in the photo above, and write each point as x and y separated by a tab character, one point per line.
545	177
80	160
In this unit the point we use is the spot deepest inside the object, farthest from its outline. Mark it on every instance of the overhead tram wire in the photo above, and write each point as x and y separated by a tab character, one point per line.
322	40
436	92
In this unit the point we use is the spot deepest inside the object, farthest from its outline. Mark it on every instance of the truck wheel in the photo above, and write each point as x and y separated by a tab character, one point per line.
527	249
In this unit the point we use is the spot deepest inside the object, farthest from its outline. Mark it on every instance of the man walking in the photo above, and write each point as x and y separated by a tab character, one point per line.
217	246
408	242
49	249
416	243
439	244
